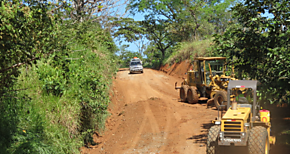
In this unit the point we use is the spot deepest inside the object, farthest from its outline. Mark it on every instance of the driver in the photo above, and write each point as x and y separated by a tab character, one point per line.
243	98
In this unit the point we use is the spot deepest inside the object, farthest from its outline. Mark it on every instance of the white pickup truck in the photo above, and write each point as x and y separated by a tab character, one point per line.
136	65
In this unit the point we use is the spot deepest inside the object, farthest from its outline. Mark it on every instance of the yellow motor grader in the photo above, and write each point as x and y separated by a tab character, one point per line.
207	81
243	124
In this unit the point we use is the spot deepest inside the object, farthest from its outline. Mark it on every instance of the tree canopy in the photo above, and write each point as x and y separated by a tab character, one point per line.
260	46
168	22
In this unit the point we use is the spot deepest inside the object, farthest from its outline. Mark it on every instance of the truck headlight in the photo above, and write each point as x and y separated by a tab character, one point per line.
217	122
243	135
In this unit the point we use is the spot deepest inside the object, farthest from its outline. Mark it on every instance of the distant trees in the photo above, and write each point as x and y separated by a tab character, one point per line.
168	22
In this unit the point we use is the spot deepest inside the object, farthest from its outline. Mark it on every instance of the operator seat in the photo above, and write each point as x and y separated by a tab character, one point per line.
243	100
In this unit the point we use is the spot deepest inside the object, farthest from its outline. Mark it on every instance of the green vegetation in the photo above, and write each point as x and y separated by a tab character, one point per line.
126	56
260	46
187	50
55	77
168	23
57	59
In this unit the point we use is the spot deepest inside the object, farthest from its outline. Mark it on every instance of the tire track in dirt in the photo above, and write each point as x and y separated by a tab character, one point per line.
164	94
160	138
151	118
148	116
181	122
138	134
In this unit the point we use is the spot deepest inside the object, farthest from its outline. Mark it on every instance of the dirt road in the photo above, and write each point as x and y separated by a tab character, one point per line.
148	118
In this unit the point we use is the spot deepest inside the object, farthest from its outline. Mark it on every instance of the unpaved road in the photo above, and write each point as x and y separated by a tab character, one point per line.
148	118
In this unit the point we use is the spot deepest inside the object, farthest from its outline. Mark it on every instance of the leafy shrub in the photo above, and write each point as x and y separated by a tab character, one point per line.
55	78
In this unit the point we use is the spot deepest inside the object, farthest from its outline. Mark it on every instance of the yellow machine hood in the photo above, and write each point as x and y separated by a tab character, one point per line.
241	113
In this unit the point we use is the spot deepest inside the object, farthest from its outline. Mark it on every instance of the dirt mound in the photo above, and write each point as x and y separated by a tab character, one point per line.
177	69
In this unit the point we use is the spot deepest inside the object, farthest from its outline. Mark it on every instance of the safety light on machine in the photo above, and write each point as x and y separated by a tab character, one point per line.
232	120
240	86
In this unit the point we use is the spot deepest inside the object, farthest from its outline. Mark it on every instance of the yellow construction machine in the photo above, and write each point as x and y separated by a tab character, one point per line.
207	81
243	124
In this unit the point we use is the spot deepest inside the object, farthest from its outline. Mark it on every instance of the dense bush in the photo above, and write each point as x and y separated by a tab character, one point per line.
259	46
55	78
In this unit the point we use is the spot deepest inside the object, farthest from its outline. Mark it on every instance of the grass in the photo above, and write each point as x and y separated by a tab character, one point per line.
57	104
188	50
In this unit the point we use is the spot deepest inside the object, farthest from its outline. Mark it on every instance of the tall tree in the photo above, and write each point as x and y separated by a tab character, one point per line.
156	31
260	46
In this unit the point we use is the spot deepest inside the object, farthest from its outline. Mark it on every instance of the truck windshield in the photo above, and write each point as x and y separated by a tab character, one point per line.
135	63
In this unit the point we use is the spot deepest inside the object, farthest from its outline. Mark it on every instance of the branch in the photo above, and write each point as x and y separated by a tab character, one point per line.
16	65
172	11
52	11
20	64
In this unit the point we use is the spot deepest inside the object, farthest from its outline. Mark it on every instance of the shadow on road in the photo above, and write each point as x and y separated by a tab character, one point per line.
280	120
134	74
123	69
202	102
202	137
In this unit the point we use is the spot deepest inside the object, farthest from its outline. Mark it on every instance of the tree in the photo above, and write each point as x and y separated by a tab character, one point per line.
128	29
156	31
27	33
154	57
168	22
186	17
259	46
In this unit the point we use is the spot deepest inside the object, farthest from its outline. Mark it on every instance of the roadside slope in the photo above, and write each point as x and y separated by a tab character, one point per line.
177	69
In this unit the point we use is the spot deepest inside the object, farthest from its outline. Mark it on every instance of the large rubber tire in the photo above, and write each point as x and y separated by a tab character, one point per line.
192	96
219	97
258	142
211	144
183	93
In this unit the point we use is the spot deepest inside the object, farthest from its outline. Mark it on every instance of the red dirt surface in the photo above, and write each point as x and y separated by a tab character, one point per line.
177	69
146	117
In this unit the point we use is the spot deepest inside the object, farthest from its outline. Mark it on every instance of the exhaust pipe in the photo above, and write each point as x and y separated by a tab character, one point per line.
234	105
